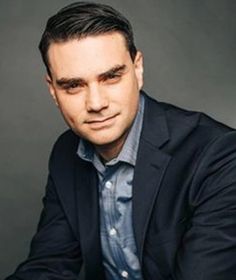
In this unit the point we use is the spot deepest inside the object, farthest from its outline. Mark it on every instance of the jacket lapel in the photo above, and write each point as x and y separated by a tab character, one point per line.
149	170
88	216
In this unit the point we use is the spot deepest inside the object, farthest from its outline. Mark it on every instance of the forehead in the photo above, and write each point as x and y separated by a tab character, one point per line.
88	56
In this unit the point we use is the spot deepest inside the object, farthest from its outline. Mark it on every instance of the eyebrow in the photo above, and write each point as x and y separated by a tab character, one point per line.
114	70
68	81
101	77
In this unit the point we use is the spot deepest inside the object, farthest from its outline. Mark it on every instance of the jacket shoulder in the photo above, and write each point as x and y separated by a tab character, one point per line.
178	117
67	139
64	149
183	126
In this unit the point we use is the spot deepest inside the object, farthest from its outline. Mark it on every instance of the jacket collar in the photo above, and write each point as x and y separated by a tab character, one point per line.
149	170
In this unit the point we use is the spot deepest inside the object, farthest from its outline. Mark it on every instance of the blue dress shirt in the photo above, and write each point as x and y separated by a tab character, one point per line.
115	193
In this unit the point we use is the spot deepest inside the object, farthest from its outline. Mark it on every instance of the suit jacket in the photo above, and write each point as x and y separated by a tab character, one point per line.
184	204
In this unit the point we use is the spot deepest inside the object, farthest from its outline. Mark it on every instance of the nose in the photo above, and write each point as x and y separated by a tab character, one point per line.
96	99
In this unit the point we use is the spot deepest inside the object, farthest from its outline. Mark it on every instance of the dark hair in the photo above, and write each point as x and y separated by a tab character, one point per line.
82	19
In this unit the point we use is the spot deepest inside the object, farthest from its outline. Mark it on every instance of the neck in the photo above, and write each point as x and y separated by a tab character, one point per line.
111	150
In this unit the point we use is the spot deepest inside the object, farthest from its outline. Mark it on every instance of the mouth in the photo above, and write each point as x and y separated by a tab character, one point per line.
101	122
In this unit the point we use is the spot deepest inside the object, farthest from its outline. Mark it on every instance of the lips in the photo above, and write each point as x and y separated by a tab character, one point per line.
101	122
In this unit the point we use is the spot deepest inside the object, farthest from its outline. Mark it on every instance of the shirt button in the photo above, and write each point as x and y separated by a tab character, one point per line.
108	185
113	232
124	274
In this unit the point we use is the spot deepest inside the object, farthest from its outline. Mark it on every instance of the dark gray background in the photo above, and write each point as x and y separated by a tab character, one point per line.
189	48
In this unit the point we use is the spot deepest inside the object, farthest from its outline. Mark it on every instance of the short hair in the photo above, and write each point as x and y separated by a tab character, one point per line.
82	19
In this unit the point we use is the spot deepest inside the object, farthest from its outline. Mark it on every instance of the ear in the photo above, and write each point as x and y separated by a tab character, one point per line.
138	64
51	88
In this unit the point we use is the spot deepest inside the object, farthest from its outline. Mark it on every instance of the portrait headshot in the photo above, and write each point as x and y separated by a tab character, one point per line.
118	140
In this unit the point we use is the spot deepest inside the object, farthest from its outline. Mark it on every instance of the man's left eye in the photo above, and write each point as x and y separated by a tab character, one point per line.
113	77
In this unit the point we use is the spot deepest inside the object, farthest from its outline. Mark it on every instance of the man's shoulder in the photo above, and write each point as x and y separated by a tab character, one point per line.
65	147
67	137
178	117
182	126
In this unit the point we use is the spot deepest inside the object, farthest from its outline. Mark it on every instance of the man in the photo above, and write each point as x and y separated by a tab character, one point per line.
137	189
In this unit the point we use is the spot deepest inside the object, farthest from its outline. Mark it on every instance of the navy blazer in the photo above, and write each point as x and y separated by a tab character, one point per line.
184	204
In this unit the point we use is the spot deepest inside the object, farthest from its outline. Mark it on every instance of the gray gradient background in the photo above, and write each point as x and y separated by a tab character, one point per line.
189	48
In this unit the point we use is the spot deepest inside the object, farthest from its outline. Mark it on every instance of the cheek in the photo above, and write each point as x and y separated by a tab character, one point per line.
131	95
71	108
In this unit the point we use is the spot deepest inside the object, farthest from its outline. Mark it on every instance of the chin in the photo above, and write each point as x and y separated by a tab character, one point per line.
102	141
103	137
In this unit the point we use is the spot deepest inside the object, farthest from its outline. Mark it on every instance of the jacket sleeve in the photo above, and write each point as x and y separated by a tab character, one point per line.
55	252
208	249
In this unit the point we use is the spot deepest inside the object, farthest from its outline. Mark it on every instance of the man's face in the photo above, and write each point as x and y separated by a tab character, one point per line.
96	85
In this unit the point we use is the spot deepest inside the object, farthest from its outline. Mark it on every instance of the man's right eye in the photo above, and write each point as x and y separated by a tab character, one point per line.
74	85
72	88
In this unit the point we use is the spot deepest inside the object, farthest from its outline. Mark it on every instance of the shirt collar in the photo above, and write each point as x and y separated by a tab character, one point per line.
129	150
